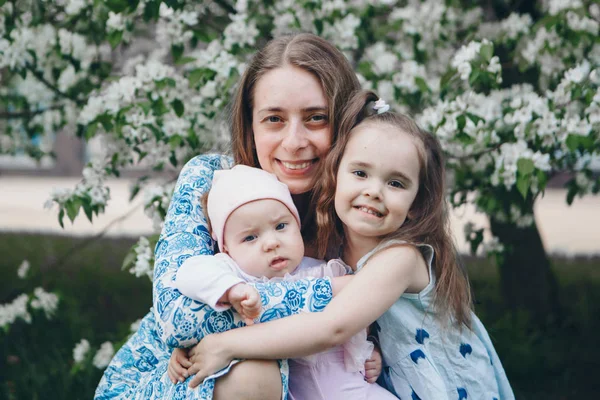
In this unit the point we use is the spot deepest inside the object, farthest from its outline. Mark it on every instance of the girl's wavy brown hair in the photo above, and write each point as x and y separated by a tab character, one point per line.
428	222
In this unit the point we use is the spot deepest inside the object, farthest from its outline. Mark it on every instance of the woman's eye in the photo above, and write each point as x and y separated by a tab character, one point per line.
318	118
396	184
249	238
360	174
273	119
281	226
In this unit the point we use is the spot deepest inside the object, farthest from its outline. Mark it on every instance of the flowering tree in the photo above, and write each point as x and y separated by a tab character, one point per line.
511	90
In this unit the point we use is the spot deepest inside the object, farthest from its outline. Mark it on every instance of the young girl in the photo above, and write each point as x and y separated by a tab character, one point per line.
382	189
257	227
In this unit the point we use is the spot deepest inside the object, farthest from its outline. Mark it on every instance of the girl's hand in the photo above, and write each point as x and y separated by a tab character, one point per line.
373	366
207	357
178	365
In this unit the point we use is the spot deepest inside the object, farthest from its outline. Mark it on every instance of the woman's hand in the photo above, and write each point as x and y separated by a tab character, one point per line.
178	365
207	357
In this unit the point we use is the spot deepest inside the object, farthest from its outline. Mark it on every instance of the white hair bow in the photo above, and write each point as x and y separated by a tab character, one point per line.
381	106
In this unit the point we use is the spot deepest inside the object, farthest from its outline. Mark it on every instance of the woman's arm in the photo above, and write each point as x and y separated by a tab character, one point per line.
184	234
372	291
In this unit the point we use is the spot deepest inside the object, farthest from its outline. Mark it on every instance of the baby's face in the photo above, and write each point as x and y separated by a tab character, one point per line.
264	239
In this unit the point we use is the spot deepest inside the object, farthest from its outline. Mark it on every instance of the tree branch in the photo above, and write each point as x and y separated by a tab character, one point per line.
478	154
26	114
226	6
80	246
52	87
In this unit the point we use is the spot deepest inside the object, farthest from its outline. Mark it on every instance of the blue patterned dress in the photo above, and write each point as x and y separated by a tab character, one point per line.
139	369
427	362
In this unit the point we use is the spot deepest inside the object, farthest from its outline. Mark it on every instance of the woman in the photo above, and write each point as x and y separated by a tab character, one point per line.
284	120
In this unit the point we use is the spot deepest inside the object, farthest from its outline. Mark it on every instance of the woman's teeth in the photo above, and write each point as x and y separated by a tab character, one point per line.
296	166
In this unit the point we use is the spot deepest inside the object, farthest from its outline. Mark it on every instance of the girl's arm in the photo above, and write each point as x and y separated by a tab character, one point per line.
372	291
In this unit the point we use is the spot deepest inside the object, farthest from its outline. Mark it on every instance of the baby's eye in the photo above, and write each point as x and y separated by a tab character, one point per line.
281	226
360	174
396	184
249	238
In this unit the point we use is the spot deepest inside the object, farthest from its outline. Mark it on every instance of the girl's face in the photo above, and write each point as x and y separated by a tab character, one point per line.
377	181
291	126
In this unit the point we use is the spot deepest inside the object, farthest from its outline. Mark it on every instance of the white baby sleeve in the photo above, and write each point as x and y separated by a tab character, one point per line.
206	278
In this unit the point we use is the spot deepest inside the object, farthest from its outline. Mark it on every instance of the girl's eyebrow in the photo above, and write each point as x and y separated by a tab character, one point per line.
280	109
366	165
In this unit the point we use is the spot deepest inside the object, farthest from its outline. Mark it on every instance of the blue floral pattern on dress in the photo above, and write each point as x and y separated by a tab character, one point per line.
139	369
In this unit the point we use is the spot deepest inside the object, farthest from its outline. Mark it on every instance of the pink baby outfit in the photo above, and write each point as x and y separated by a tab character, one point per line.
333	374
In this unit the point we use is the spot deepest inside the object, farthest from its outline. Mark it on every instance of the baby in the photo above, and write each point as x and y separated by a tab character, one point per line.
257	227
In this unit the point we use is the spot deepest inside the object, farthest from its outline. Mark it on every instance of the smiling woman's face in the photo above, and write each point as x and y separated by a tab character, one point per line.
291	126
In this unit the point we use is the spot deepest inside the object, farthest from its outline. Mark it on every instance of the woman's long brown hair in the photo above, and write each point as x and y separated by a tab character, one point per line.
428	222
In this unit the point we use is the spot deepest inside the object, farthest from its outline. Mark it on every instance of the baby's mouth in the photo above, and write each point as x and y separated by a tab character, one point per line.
278	263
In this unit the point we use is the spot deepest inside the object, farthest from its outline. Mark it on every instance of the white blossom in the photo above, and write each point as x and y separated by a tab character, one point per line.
104	355
23	269
75	6
383	61
80	351
10	312
135	325
556	6
115	22
47	302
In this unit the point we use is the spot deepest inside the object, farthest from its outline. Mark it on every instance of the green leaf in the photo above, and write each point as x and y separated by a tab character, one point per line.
523	185
73	208
184	60
106	122
90	131
129	258
177	52
487	51
542	178
175	141
114	38
461	120
146	106
421	84
61	215
87	208
319	26
159	108
178	107
525	166
571	194
474	76
446	78
151	11
200	74
117	6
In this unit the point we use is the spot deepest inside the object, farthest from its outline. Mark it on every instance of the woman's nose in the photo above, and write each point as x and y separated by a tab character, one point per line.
295	137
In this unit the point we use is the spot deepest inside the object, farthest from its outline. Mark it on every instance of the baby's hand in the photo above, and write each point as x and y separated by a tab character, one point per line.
373	366
178	365
246	301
